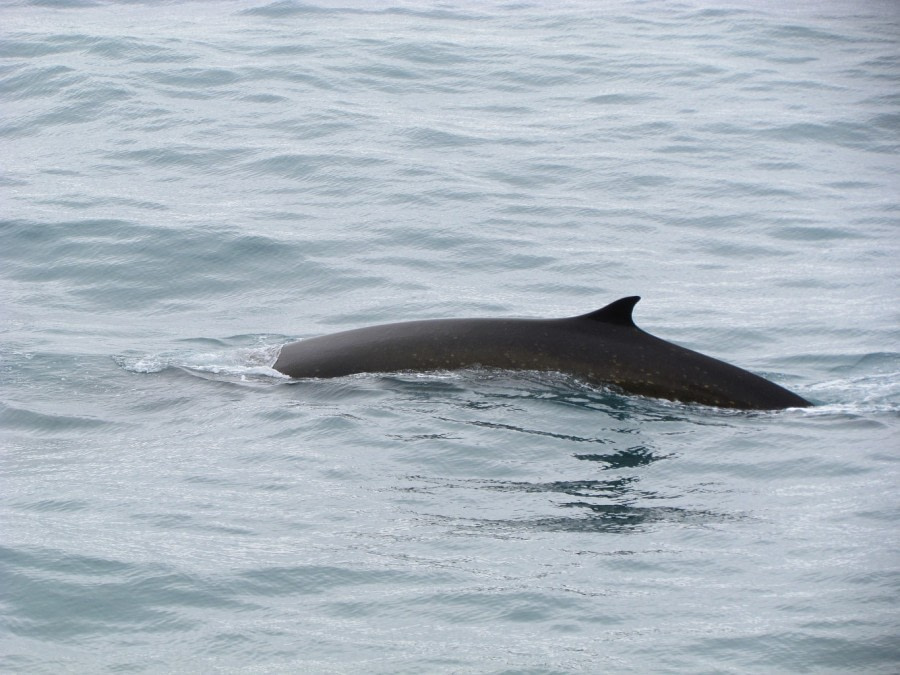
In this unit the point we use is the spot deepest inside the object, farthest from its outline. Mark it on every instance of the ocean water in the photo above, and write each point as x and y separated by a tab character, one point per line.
187	186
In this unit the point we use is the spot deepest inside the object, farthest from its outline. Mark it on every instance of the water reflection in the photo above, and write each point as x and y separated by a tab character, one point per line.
520	429
624	459
617	518
618	502
575	488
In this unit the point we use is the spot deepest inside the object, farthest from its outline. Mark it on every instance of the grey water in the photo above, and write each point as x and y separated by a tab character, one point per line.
187	186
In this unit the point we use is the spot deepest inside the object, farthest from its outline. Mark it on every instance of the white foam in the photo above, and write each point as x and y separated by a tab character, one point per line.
239	362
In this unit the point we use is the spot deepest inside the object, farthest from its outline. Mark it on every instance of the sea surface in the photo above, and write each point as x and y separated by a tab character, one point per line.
186	186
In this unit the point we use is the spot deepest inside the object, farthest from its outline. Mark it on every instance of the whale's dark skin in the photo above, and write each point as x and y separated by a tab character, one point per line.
603	347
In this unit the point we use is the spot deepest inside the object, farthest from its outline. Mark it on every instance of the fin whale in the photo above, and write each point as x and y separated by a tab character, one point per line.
602	347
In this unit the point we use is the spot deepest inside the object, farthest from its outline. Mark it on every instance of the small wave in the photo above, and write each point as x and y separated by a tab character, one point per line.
870	384
12	417
863	395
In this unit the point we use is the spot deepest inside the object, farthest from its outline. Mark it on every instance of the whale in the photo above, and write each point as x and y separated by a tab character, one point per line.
604	347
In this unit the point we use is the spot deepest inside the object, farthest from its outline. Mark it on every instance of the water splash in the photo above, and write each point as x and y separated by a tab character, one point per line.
241	362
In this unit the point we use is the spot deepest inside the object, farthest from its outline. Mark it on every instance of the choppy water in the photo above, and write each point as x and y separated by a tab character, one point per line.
187	186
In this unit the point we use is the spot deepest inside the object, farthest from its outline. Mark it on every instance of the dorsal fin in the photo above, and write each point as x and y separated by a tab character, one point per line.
618	312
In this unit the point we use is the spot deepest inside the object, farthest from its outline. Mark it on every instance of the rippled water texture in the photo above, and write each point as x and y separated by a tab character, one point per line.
187	186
